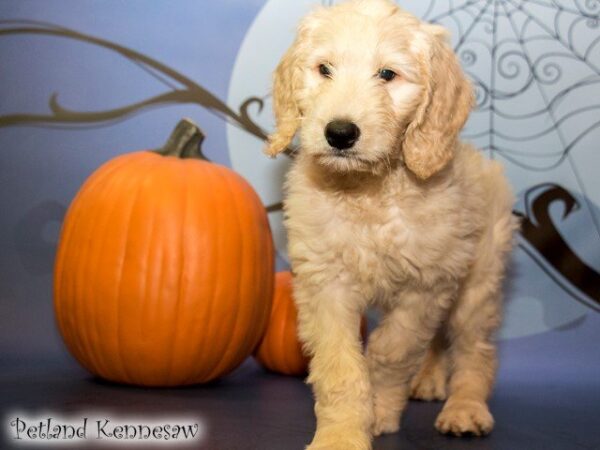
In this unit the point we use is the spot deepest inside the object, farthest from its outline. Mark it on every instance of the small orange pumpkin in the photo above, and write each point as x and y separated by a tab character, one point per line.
164	269
280	351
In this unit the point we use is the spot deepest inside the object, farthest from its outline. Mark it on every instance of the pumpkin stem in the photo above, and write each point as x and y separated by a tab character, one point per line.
184	142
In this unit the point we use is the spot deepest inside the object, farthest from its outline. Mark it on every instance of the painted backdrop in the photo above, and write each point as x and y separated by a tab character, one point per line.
81	82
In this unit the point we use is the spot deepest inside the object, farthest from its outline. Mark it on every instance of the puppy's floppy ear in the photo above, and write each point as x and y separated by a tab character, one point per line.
286	82
447	99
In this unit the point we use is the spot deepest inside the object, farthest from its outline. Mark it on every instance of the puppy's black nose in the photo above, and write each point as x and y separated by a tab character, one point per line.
341	134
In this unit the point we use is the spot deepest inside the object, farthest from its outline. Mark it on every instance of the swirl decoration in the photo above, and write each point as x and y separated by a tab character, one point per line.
528	58
182	90
544	244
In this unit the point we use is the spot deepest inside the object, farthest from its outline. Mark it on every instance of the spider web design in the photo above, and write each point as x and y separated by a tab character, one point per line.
543	53
544	65
535	67
527	52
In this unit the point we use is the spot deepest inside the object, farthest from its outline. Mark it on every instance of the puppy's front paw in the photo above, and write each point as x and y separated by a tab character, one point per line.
465	417
386	420
348	439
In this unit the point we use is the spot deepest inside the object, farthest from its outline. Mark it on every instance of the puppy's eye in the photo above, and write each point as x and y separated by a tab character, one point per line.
386	74
325	70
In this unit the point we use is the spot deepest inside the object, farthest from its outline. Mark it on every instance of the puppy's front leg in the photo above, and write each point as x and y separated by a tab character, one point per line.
328	324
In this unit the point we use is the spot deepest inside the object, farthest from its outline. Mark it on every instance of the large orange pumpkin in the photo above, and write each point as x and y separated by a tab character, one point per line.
280	351
164	270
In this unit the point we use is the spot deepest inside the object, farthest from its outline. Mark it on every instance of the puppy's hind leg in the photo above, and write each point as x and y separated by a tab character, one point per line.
471	328
473	359
472	325
430	381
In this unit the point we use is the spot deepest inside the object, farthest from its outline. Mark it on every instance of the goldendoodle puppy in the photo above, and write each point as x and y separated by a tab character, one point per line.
386	207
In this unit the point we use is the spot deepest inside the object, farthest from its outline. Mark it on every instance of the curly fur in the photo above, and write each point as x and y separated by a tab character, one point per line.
412	221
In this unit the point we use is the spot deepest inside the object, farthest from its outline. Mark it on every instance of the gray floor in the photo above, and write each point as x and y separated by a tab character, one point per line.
547	397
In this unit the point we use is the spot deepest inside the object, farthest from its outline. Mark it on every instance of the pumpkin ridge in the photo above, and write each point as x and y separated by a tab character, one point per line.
255	310
192	271
146	293
66	232
158	293
119	301
267	286
108	192
83	345
150	255
205	278
250	282
162	296
77	208
85	263
207	369
232	344
141	173
174	359
155	279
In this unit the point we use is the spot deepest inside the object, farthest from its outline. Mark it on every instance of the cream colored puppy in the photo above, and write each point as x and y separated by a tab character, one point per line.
386	207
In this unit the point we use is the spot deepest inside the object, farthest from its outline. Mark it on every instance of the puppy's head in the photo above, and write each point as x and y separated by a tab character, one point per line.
366	83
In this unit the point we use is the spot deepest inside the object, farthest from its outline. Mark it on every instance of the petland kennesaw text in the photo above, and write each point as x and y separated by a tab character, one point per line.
48	429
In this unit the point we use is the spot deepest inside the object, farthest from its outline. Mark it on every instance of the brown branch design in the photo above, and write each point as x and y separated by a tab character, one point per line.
191	92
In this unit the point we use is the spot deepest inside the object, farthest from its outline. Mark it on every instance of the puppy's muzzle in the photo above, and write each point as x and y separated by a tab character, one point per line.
341	134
